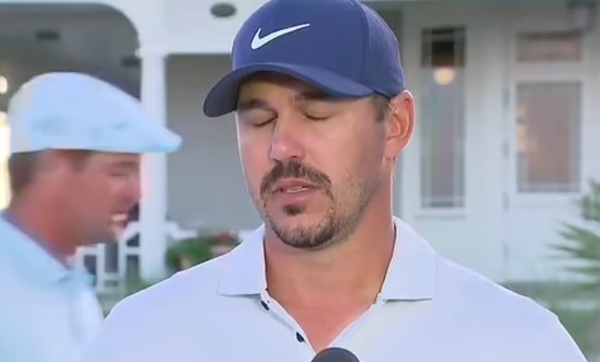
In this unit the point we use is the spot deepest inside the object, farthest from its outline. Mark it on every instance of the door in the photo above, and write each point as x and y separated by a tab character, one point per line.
547	112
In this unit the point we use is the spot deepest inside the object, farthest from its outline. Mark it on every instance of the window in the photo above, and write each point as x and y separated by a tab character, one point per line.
442	118
549	47
548	136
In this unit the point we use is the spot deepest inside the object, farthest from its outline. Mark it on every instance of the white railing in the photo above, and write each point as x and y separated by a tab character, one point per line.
113	263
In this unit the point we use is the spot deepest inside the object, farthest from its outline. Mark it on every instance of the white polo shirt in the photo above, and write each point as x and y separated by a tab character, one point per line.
48	313
429	310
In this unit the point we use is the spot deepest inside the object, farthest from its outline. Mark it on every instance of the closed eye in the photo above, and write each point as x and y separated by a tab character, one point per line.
319	110
256	118
315	118
262	123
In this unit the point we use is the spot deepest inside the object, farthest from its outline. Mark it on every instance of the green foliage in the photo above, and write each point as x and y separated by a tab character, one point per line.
582	324
583	243
196	250
187	252
582	247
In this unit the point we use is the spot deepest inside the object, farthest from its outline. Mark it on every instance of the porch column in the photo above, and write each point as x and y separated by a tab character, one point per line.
153	206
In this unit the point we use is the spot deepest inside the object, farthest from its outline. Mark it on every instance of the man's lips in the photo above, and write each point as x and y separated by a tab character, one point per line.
292	186
119	219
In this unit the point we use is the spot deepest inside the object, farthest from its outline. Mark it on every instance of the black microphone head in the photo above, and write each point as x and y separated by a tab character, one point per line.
335	354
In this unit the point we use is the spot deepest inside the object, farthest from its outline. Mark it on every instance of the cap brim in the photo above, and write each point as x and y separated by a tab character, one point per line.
223	96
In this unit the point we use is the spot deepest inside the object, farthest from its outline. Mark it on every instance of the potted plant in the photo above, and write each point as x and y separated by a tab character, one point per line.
188	252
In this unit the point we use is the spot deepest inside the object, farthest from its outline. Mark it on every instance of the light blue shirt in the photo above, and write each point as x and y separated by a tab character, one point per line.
48	313
429	310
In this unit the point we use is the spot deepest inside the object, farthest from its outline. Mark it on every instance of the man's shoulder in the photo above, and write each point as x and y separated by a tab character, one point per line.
190	302
481	294
517	324
199	282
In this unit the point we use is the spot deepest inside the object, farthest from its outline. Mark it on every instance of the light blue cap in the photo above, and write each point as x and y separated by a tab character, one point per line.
73	111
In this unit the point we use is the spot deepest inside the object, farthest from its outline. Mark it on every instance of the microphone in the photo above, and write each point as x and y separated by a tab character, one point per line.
335	354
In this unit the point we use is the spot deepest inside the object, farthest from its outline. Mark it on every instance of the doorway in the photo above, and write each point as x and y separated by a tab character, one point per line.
546	149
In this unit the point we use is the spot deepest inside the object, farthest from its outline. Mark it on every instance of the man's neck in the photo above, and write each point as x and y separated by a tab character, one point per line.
39	225
351	271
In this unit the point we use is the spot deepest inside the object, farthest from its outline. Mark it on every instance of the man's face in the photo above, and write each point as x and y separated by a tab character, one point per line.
312	163
98	191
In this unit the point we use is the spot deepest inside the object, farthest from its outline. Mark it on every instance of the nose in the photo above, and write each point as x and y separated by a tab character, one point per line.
285	141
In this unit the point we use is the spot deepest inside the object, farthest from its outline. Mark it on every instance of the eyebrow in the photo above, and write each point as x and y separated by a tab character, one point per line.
129	164
255	103
316	96
251	104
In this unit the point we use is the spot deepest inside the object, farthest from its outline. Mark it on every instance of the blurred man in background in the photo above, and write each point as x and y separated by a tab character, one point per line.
74	173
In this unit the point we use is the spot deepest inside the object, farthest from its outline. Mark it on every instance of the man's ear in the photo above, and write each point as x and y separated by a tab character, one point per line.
401	124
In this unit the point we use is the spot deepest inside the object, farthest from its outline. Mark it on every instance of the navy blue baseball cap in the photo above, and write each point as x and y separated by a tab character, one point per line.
341	47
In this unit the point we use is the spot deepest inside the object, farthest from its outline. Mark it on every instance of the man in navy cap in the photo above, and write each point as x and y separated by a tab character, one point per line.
323	115
74	171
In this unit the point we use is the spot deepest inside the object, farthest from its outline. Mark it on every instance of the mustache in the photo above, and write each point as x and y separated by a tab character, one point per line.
294	169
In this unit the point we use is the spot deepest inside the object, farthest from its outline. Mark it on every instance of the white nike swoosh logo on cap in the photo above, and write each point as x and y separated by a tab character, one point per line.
258	42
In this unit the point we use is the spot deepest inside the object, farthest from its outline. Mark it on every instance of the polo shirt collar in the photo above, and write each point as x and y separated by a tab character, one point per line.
411	274
244	273
28	256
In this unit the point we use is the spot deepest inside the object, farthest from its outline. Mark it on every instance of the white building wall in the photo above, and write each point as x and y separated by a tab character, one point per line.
214	190
205	179
484	235
469	235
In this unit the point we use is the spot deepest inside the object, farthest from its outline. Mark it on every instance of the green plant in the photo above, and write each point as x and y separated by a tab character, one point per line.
582	249
583	243
192	251
582	324
186	253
